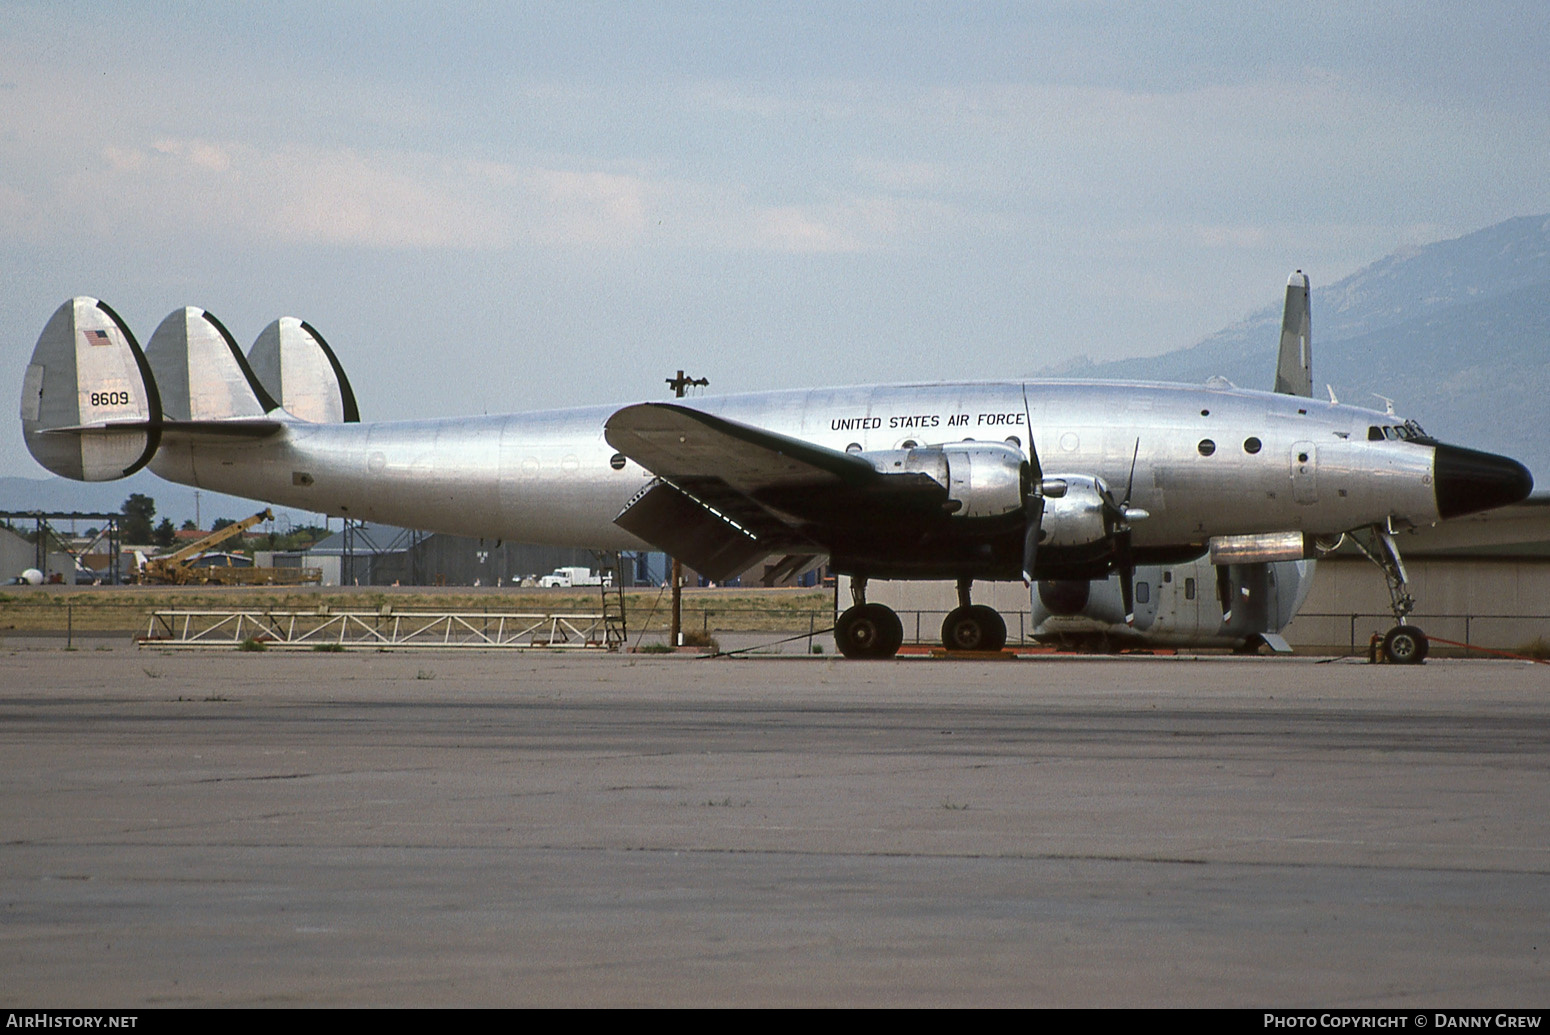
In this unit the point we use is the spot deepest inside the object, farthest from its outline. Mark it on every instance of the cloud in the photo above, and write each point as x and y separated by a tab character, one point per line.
233	192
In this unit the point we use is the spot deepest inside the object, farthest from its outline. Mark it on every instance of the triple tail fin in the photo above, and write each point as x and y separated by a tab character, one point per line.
291	360
95	407
90	407
201	373
1294	365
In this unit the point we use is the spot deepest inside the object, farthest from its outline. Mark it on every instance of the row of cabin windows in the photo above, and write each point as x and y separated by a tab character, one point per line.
1251	445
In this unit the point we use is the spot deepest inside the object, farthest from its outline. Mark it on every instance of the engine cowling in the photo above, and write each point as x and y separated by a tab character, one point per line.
983	479
1077	515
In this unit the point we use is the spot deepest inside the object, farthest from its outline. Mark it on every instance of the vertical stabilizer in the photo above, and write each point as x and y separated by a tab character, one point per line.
90	409
1294	366
200	371
298	368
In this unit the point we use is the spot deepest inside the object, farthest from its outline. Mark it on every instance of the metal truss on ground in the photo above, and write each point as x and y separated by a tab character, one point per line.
381	630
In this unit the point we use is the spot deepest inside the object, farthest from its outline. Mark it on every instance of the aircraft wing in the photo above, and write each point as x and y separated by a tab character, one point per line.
678	442
727	495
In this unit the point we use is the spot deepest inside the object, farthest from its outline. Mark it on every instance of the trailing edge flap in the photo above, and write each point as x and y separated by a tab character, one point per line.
90	408
291	360
705	536
1294	364
200	371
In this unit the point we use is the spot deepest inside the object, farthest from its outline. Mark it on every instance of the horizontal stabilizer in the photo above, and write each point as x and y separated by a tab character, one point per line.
237	427
90	382
295	364
201	373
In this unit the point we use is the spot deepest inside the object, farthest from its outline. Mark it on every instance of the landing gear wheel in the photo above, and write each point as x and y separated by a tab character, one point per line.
1405	645
869	631
975	627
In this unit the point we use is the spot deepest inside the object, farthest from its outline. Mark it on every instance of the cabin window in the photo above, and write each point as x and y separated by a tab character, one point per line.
1252	445
1143	592
1206	447
1189	589
616	461
854	447
908	443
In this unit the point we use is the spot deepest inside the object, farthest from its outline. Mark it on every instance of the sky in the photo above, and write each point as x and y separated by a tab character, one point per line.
499	207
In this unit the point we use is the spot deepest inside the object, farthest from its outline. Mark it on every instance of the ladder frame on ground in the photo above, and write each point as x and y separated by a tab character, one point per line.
383	629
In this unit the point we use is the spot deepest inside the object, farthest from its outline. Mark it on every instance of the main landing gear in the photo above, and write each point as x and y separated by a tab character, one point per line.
1404	644
868	630
972	626
874	631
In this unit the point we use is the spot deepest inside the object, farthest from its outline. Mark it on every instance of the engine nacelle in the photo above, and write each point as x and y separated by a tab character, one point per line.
983	479
1074	517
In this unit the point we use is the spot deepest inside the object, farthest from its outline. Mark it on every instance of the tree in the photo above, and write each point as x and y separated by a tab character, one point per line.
136	527
165	534
189	526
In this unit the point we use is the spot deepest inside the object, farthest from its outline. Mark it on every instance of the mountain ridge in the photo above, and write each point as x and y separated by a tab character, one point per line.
1456	332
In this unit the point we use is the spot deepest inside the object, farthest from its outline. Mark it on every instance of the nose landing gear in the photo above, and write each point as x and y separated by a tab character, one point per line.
1404	644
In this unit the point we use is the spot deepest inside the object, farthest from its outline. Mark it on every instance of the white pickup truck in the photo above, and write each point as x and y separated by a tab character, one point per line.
566	577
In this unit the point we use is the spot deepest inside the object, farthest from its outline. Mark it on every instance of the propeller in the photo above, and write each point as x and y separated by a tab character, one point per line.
1117	518
1033	513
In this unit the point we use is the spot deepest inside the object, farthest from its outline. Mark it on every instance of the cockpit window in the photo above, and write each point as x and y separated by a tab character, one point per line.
1409	431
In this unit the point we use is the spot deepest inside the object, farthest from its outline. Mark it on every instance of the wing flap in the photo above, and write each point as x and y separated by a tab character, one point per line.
715	541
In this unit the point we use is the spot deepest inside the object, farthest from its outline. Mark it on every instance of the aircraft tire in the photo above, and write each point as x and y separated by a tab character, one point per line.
869	631
1405	645
977	628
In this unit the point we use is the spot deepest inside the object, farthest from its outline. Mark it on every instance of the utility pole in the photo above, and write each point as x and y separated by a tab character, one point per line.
678	384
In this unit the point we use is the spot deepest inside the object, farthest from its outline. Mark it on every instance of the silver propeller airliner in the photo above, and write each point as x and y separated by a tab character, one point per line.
987	480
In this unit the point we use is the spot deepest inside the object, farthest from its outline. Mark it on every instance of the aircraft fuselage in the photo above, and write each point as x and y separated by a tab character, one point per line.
1207	461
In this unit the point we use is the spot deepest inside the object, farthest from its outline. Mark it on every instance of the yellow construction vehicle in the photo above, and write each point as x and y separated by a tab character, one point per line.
180	568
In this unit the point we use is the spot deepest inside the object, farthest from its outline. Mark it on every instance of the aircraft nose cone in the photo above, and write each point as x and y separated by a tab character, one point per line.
1468	480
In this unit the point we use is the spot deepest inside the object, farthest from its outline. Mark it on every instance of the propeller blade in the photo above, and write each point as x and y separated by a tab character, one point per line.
1130	483
1224	591
1127	593
1125	564
1033	509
